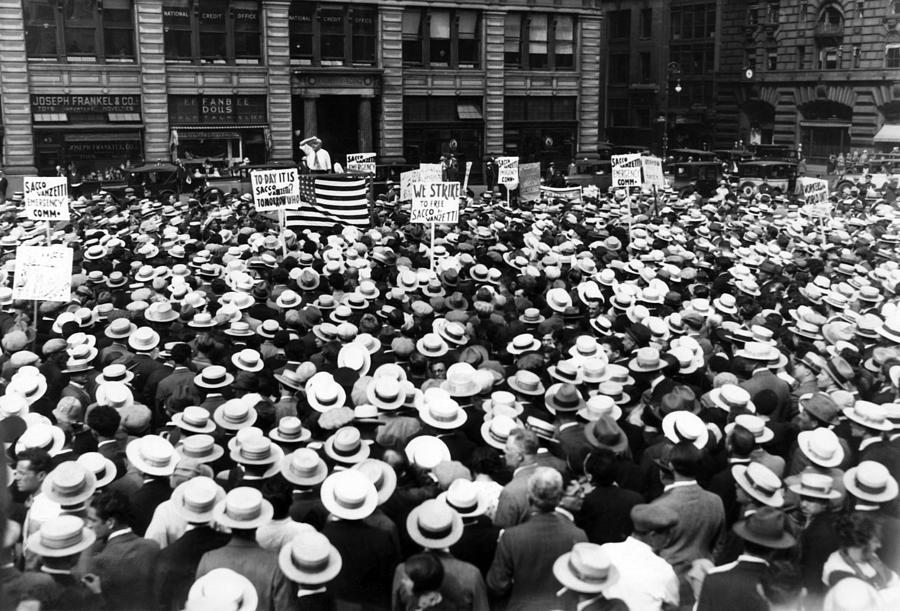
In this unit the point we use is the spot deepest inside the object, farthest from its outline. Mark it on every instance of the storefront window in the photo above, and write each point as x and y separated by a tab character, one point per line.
548	41
446	38
333	34
541	129
443	125
212	31
79	30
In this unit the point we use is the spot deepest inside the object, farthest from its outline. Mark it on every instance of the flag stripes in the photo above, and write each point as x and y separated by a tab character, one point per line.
330	199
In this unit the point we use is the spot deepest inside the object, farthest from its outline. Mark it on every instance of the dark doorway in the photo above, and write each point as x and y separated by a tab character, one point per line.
338	125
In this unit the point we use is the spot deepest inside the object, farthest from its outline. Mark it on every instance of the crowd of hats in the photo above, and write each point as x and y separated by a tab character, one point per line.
315	352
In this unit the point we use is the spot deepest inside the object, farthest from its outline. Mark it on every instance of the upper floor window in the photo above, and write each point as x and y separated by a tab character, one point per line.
694	21
79	31
646	22
619	24
333	34
212	31
441	38
892	56
537	41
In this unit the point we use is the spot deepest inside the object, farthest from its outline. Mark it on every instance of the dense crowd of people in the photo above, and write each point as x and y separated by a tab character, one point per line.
623	402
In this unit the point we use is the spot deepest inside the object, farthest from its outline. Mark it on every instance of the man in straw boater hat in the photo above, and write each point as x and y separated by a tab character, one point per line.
523	564
736	585
243	510
155	458
587	573
59	543
311	562
193	501
436	527
368	552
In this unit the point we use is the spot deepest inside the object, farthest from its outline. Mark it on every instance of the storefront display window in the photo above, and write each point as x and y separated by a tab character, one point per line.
443	125
333	34
541	129
79	31
223	128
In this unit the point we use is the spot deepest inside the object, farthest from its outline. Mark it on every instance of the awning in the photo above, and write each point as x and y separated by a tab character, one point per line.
219	127
210	135
90	127
829	124
468	111
888	133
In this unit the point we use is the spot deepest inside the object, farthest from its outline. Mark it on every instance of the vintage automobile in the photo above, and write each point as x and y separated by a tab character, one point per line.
694	177
761	176
597	172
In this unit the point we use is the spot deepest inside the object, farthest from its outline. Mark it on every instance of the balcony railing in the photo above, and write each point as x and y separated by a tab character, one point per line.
827	29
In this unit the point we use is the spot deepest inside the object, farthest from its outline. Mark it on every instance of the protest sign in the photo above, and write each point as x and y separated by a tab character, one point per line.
653	172
435	203
508	171
407	180
275	189
529	181
430	172
570	194
468	172
43	273
361	162
626	170
46	198
814	190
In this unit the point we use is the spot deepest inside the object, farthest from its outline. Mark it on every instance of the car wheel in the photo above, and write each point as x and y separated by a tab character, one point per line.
748	189
764	188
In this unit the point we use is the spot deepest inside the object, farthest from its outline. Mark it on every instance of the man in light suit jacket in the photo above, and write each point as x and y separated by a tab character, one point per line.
521	454
125	563
523	563
701	516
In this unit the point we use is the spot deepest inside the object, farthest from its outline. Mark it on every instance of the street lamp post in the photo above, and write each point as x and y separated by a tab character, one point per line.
673	71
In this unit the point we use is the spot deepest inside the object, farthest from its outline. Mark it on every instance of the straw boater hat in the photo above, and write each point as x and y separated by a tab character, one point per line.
434	525
194	419
522	343
869	415
815	485
567	371
346	446
349	495
44	436
243	508
495	431
463	497
104	469
822	447
461	381
201	448
759	482
222	589
116	372
871	481
304	467
234	415
290	430
598	406
526	382
152	455
258	452
681	426
732	398
587	569
646	360
195	499
65	535
70	483
756	425
441	411
323	393
385	393
432	345
213	377
247	360
310	559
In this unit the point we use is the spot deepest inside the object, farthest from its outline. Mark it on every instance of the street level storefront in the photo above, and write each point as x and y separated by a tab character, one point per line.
443	125
89	136
543	129
220	129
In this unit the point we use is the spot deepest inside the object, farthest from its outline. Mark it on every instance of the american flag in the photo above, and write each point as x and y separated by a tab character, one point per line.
329	199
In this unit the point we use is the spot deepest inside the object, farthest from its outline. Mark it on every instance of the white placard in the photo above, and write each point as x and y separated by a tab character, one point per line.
508	171
430	172
46	198
436	202
361	162
529	181
653	172
407	180
275	189
570	194
814	190
626	170
43	273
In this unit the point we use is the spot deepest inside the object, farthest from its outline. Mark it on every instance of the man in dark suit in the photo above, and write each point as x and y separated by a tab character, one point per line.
523	565
104	423
605	513
155	488
178	562
478	541
124	562
179	383
734	586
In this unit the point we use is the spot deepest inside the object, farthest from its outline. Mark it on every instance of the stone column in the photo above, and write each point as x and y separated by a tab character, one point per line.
364	116
18	137
152	56
390	123
589	97
494	82
278	62
310	118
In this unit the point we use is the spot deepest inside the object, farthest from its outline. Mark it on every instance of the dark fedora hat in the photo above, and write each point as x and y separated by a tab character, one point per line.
766	527
605	433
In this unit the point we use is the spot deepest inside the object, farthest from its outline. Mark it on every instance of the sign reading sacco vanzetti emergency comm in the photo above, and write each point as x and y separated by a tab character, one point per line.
46	198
